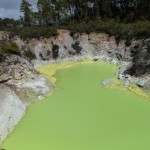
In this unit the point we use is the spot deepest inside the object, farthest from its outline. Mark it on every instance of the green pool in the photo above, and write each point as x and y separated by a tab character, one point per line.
83	115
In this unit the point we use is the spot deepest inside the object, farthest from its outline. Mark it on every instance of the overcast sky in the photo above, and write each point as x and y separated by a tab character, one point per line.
11	8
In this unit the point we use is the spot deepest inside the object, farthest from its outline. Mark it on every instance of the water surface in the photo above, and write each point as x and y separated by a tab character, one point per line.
83	115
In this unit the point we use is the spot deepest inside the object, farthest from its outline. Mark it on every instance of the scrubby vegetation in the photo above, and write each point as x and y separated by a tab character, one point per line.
55	51
124	19
29	54
35	31
138	29
2	58
77	47
9	47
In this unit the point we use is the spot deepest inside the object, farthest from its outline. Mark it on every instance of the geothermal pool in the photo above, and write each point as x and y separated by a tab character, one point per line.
83	115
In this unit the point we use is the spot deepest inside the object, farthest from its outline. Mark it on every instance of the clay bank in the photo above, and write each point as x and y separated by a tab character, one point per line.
21	85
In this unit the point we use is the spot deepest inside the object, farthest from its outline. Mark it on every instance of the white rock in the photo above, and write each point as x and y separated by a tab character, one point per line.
12	109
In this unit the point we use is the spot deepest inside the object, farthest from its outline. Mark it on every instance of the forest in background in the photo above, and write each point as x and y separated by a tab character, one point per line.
125	19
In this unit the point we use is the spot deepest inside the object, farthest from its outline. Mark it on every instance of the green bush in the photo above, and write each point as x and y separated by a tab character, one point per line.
35	32
2	58
55	51
29	54
127	31
77	47
10	47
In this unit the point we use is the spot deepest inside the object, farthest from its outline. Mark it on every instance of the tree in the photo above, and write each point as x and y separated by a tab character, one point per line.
61	10
26	9
142	7
46	11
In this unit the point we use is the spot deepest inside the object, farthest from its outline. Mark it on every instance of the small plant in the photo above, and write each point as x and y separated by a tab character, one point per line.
10	47
77	47
128	42
29	54
2	58
55	51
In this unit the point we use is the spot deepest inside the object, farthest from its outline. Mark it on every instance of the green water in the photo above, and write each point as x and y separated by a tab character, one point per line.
84	116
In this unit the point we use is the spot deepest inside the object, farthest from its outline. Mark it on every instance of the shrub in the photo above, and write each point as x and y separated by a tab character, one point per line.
55	51
2	58
35	32
29	54
10	47
128	42
77	47
121	30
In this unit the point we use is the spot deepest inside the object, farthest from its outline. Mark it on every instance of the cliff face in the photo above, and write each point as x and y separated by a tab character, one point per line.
141	60
65	45
87	45
20	85
12	109
138	72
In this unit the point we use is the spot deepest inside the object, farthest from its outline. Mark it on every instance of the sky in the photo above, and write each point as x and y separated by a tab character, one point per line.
11	8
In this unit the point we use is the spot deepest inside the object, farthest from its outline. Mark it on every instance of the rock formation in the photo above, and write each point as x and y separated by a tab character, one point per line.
87	45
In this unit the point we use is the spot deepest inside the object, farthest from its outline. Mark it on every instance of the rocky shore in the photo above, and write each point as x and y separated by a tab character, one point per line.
21	84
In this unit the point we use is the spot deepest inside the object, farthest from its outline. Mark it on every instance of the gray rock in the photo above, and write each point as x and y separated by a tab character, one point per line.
12	109
106	82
